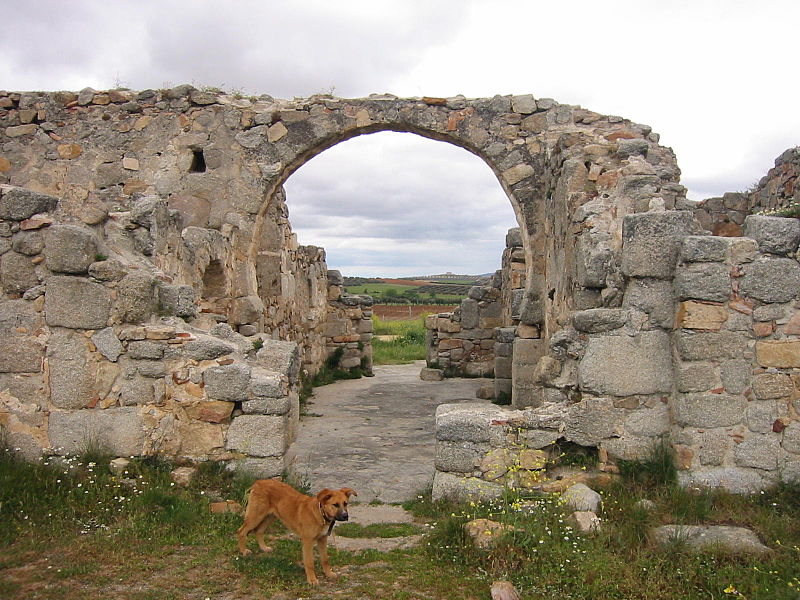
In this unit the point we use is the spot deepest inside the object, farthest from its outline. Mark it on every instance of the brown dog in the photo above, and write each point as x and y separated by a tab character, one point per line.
312	519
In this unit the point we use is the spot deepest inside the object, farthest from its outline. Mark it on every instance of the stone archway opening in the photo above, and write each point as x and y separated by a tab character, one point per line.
394	204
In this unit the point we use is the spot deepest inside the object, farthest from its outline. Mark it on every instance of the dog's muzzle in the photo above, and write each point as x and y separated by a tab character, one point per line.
342	517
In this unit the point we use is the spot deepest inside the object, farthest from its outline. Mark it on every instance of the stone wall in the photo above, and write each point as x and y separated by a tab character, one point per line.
461	343
702	352
776	190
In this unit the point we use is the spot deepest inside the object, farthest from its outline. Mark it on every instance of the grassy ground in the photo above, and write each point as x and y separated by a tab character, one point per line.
408	346
70	530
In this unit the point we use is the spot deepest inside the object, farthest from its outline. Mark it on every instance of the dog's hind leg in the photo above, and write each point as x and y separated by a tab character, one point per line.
249	526
259	531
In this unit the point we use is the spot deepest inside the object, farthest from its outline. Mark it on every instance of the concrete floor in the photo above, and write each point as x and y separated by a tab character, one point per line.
375	434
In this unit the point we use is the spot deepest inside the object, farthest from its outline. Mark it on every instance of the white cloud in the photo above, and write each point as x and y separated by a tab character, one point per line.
716	78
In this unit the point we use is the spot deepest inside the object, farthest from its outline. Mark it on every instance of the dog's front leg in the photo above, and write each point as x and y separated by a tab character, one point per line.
322	546
308	561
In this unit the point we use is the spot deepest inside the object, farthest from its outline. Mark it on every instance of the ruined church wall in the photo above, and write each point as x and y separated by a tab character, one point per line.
703	353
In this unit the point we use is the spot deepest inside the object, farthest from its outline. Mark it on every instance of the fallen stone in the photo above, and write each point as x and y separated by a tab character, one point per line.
485	532
118	466
586	521
183	476
504	590
738	540
427	374
581	497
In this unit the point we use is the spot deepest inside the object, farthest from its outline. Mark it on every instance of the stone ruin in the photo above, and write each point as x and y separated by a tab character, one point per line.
155	299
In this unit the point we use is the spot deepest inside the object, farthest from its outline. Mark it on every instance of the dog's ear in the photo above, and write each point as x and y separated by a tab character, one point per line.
348	492
324	495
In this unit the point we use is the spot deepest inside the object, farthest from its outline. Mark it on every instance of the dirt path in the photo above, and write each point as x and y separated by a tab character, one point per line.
375	434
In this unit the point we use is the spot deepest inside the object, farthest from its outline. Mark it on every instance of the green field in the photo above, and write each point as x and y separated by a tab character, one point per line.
379	292
408	346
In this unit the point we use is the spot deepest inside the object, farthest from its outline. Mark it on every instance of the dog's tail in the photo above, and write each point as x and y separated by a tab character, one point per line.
246	498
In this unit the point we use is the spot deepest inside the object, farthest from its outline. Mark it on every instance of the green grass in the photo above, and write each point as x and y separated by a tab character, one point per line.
71	530
377	530
407	347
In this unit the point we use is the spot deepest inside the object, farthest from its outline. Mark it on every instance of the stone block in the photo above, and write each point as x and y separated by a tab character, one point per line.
266	384
262	405
758	452
108	344
71	372
120	431
467	422
709	410
178	300
258	435
581	497
18	204
706	346
704	281
791	437
145	349
629	447
626	366
17	273
652	242
247	309
228	382
712	446
259	468
502	367
654	297
207	348
428	374
137	299
735	375
648	422
771	280
776	235
704	248
736	480
76	303
459	457
592	420
698	315
69	249
699	377
783	354
769	386
469	314
598	320
447	486
761	415
29	243
212	411
20	354
280	357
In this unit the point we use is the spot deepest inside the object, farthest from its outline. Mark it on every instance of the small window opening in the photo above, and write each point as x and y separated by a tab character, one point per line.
198	162
214	281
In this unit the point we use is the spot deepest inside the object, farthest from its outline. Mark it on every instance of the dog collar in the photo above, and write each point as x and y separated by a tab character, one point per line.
325	519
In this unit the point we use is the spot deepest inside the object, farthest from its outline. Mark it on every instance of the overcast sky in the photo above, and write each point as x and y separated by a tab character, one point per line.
717	79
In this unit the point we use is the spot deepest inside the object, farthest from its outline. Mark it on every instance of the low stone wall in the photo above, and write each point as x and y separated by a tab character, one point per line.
461	343
704	353
348	329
